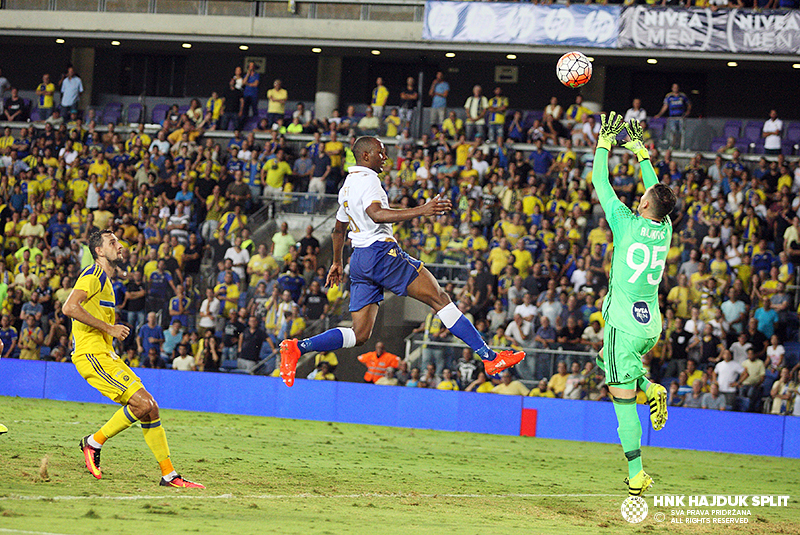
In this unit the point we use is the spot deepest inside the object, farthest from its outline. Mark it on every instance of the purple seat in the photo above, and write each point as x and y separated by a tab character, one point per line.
183	109
262	113
250	124
758	146
160	113
135	113
36	115
732	129
716	144
752	130
793	132
111	116
787	147
743	145
657	126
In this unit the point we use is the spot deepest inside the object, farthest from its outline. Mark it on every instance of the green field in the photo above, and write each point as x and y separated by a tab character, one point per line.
267	475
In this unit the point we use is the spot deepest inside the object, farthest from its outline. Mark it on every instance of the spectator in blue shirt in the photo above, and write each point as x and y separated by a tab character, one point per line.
59	229
178	306
766	316
251	80
540	159
292	281
151	336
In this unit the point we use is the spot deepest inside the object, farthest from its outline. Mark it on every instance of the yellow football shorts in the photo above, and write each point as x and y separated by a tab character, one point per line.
109	374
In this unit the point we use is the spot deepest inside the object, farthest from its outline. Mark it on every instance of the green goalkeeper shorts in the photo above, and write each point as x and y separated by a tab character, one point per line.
622	355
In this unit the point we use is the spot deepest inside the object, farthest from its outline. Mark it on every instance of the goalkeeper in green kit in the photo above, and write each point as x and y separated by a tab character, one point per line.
630	309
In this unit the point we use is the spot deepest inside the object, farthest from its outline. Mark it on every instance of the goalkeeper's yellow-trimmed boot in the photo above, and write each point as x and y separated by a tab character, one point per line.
657	397
639	484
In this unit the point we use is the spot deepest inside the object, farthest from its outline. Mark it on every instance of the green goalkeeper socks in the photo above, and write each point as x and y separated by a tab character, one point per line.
630	433
643	383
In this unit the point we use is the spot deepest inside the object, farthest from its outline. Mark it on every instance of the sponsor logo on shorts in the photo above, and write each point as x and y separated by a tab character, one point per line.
641	312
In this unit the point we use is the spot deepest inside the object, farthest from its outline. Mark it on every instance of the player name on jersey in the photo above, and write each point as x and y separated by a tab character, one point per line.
654	234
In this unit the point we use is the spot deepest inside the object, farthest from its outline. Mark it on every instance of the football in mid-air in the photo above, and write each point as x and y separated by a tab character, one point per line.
574	69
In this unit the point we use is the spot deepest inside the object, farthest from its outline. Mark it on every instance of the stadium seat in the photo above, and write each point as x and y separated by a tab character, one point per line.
183	109
44	352
527	118
744	145
758	147
36	115
111	116
792	356
160	113
717	143
752	131
135	112
251	123
793	133
227	365
657	126
787	147
732	129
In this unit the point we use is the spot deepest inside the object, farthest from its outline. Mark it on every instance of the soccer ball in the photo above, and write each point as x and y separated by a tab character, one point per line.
574	69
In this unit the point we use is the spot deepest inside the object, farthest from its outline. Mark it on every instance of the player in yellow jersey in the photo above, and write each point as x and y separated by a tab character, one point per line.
3	429
91	307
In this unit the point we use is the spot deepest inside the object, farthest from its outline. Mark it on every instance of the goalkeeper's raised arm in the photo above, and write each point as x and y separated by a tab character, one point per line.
636	146
610	126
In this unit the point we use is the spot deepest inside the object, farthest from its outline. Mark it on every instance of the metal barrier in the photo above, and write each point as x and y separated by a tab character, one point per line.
447	273
539	363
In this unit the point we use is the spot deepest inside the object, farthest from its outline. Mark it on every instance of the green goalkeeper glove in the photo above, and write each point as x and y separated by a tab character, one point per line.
635	144
610	126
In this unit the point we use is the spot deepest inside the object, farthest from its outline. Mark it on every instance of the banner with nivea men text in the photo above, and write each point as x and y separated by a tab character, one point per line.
724	30
521	23
593	26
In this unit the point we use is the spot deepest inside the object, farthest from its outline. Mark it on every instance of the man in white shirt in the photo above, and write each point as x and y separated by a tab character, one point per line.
725	374
71	89
739	348
240	257
527	309
518	330
475	107
378	264
772	134
636	112
183	362
5	86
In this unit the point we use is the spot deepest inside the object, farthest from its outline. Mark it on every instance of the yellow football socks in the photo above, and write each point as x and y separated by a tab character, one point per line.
121	420
156	439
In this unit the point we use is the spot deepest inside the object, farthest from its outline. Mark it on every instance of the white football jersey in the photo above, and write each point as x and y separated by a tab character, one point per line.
361	188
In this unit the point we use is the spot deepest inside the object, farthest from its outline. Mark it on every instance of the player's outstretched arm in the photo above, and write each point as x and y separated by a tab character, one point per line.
436	206
636	146
610	126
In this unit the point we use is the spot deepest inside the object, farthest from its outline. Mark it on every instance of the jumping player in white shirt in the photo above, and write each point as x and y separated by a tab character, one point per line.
378	263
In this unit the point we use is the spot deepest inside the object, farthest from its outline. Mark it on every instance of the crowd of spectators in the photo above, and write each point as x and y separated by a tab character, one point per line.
527	224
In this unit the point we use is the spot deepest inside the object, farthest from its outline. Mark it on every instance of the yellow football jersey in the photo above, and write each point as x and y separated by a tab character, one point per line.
99	303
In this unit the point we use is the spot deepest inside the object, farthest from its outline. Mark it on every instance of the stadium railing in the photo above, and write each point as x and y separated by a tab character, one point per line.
446	273
548	358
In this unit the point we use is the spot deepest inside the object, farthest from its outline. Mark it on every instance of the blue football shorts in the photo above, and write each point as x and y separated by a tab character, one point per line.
381	266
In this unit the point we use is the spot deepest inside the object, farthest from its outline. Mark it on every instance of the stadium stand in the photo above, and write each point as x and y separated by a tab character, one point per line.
188	189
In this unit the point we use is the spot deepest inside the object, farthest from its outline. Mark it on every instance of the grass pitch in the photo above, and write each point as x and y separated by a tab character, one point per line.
269	475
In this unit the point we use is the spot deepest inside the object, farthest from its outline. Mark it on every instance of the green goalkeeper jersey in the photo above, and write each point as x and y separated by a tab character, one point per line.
639	258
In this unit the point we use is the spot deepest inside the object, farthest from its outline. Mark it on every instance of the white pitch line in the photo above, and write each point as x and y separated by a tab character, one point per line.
6	530
300	496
